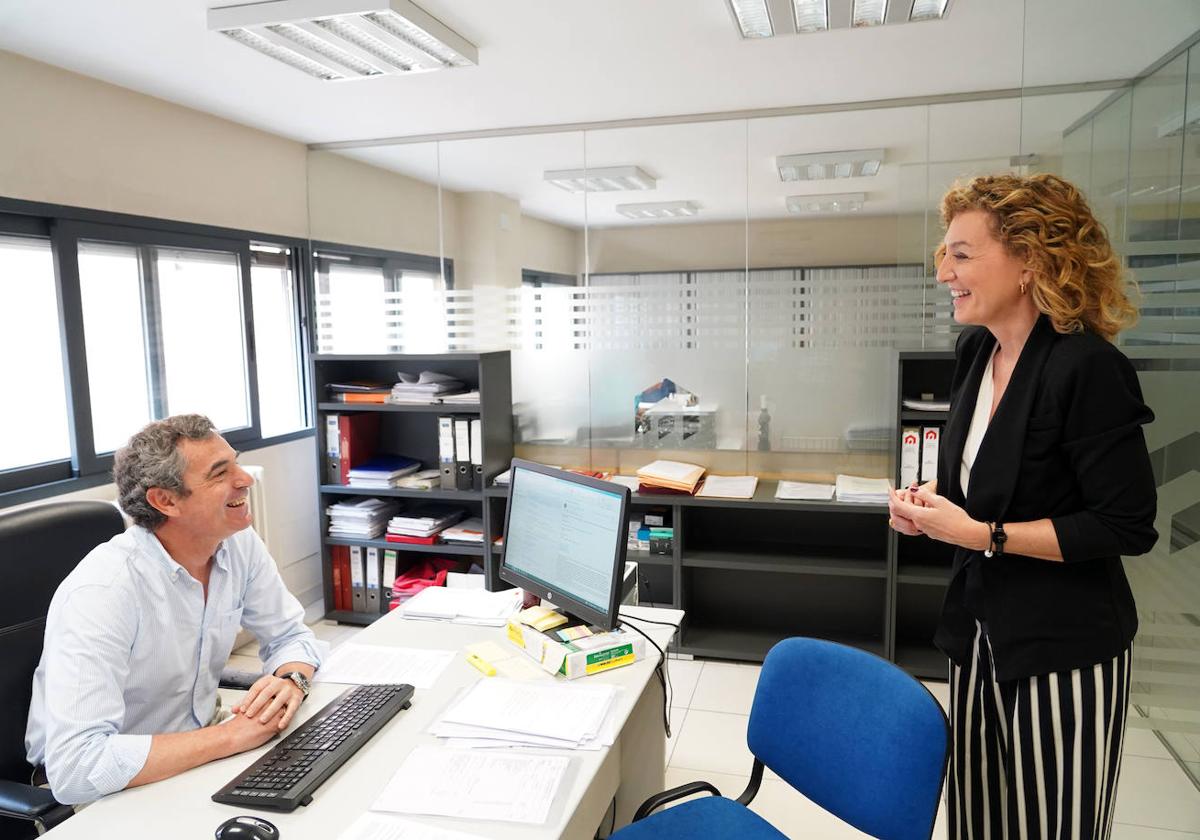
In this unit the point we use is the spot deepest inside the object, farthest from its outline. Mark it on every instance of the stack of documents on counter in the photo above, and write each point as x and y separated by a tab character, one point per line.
497	712
357	664
671	475
853	488
463	606
469	398
804	491
728	487
363	519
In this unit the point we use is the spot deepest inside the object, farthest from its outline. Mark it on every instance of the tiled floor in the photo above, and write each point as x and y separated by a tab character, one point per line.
710	708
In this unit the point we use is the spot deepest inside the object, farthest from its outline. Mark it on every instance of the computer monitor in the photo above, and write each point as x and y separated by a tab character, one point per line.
565	538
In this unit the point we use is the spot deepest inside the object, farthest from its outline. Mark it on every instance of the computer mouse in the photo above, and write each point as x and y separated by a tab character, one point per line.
247	828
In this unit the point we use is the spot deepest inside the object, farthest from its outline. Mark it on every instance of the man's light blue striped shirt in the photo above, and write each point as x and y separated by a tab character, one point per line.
133	649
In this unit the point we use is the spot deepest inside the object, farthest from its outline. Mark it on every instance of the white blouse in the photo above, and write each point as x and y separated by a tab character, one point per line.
979	424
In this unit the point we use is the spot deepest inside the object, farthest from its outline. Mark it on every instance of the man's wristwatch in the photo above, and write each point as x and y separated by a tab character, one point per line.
302	682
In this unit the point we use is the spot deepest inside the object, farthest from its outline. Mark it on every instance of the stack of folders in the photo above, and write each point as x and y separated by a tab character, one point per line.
359	391
360	519
382	472
423	523
467	532
460	453
853	488
499	712
670	476
425	388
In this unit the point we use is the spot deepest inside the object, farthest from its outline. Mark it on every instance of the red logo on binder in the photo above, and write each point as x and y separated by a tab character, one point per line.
931	434
910	439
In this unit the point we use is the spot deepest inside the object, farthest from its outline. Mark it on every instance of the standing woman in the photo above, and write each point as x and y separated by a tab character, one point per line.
1043	483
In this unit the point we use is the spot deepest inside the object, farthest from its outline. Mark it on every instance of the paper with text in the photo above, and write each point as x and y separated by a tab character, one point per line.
378	664
565	712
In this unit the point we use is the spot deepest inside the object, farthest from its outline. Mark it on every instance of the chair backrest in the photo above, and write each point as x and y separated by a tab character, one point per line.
39	546
853	733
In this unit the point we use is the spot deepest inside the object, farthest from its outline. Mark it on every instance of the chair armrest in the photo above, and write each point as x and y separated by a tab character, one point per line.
26	802
756	777
238	679
660	799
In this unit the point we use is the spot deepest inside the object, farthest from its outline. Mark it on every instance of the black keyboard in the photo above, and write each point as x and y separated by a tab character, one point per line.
286	777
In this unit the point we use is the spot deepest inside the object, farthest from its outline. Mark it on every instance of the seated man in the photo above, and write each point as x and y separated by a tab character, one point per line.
137	634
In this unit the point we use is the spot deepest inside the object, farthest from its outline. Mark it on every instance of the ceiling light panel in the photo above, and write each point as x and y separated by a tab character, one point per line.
602	179
811	15
928	9
827	203
753	18
659	210
345	39
868	12
864	163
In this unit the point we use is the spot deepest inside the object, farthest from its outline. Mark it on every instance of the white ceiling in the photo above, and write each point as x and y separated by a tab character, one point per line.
544	62
549	61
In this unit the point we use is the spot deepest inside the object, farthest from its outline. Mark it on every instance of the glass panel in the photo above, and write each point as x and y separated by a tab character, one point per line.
1157	148
203	347
667	298
30	345
111	289
1109	192
276	341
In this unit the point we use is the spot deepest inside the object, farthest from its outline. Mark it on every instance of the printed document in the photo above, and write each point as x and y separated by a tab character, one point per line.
567	713
474	784
729	487
804	490
378	664
382	827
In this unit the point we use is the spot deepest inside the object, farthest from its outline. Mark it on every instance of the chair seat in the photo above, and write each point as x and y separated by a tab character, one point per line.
709	816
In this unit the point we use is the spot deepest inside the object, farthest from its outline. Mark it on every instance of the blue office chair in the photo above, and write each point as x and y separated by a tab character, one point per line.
852	732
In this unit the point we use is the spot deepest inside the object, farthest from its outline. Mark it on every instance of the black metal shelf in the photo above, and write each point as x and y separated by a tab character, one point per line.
750	560
922	660
349	617
725	642
436	548
923	575
398	408
912	415
402	493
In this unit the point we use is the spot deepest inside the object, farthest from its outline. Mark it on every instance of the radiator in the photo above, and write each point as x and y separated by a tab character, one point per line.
258	507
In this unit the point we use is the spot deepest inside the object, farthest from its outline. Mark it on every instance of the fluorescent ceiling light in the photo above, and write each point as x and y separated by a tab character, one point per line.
815	167
658	210
811	15
827	203
753	18
928	9
868	12
335	40
603	179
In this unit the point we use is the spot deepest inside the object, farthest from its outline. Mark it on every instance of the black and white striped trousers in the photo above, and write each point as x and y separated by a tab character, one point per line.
1038	757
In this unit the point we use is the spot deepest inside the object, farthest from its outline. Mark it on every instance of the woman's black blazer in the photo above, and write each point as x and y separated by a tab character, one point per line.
1065	443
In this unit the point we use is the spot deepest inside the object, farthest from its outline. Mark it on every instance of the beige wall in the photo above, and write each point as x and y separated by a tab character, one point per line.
774	243
550	247
69	139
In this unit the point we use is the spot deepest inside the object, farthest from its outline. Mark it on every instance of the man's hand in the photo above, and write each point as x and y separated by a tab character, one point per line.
271	700
246	733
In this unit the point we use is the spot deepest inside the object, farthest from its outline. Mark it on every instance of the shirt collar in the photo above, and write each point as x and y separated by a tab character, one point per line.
151	545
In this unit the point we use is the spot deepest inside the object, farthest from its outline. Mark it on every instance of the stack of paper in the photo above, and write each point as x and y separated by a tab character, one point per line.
380	664
853	488
362	519
426	387
729	487
467	532
463	606
671	475
424	520
804	491
474	785
469	398
382	471
423	480
498	712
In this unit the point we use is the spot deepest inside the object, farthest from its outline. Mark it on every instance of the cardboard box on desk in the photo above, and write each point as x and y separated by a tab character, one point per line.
580	657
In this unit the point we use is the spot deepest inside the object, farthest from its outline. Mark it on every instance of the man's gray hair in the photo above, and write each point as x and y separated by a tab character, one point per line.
152	459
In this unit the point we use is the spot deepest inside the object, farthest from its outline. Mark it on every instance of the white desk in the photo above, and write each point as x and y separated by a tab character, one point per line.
631	769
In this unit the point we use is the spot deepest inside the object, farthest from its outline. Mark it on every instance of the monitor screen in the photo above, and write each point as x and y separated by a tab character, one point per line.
565	540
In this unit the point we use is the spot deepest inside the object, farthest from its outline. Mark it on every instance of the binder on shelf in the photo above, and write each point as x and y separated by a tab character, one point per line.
462	454
343	559
358	580
357	439
333	449
388	580
336	575
910	455
446	452
373	573
476	454
930	436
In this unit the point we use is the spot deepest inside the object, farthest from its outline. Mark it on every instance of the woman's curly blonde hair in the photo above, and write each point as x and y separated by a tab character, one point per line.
1042	219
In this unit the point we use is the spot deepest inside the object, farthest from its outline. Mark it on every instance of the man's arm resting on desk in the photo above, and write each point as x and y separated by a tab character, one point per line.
173	752
274	693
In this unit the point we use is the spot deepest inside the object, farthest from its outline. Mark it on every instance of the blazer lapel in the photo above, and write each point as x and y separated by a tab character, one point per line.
954	435
997	465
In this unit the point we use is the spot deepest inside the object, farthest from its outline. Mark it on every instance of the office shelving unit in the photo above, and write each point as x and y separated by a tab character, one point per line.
922	566
412	430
